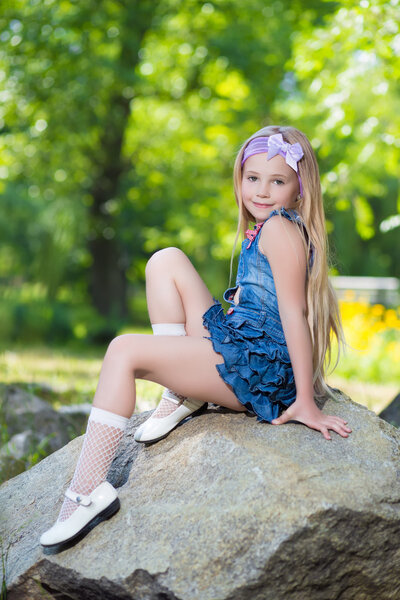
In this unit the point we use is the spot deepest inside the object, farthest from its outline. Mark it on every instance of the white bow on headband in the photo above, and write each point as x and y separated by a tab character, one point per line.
292	153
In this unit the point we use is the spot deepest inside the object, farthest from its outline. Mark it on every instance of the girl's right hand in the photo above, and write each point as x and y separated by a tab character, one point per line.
314	418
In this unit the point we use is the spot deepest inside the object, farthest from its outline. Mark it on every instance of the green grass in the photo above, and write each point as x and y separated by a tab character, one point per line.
65	375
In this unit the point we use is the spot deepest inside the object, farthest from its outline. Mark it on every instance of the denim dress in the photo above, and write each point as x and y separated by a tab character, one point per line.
250	336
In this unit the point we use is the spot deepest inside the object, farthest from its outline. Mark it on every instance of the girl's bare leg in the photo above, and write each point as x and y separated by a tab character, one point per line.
188	364
174	289
103	435
175	294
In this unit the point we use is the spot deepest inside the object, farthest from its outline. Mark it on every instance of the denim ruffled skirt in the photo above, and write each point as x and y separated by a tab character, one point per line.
256	365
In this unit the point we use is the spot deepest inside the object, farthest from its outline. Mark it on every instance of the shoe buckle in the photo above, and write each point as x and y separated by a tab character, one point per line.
79	499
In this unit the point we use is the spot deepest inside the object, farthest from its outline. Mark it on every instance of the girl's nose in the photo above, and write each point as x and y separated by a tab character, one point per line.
263	190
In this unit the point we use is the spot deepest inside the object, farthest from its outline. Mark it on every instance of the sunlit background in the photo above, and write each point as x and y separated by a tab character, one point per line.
119	125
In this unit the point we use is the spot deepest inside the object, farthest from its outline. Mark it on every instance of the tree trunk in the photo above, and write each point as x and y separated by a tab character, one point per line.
108	284
107	277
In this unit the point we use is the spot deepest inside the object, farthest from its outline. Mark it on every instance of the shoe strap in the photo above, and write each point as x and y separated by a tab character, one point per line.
79	499
192	404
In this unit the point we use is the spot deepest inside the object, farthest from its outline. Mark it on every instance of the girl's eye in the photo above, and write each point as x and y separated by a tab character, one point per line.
252	178
279	181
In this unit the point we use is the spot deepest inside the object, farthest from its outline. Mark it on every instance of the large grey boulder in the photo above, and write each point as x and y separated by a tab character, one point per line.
224	508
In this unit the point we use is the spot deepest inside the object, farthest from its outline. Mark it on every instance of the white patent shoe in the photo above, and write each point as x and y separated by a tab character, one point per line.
101	504
157	428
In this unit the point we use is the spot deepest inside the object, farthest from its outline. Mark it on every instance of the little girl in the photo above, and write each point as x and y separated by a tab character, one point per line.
266	355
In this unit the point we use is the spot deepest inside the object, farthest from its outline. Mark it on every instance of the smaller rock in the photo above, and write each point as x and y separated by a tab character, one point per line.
19	445
77	415
76	409
14	455
391	413
34	429
10	467
22	411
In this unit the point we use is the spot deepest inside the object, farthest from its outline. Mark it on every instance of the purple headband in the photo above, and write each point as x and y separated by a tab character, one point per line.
273	145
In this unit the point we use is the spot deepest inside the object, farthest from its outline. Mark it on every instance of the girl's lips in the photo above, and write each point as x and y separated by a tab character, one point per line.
259	205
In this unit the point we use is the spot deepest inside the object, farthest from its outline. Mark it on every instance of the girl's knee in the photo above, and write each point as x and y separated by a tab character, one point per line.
121	347
162	258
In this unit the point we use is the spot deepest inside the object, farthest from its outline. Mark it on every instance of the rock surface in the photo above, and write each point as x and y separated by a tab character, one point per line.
224	508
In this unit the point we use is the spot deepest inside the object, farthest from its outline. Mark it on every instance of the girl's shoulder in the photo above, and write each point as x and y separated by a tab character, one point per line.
275	223
276	233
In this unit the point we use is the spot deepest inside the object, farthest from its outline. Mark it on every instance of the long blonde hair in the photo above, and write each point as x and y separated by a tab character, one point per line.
322	307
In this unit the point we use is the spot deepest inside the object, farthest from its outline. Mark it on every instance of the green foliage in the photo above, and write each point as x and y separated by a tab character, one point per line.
345	94
27	315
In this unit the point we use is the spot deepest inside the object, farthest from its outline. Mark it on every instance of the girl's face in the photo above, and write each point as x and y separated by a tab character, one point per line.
268	185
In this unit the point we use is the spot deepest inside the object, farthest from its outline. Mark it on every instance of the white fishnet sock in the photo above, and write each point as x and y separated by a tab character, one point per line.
103	435
167	404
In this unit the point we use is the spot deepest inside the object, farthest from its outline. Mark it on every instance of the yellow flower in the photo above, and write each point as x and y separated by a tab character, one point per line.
391	319
377	310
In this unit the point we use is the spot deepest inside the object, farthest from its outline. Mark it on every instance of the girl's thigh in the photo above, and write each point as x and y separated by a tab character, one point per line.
185	364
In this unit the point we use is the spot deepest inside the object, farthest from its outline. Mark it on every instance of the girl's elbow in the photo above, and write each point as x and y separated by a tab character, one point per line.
294	311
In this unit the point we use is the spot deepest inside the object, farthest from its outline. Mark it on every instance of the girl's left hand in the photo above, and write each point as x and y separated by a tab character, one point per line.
314	418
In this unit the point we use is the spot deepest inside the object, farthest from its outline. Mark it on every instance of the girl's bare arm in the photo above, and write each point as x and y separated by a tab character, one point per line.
282	244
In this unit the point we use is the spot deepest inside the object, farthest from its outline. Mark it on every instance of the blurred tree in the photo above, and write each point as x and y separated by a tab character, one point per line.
70	68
